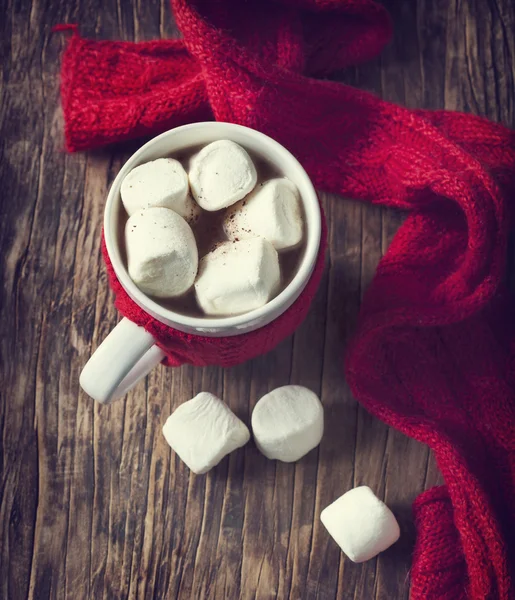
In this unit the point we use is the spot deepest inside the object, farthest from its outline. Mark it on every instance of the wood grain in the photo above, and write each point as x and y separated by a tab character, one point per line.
92	502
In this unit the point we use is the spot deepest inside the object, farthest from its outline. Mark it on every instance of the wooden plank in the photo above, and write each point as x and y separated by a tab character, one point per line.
266	484
337	450
307	368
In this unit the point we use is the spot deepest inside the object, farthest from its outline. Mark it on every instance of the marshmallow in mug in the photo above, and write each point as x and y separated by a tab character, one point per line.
221	174
162	253
271	210
162	182
203	430
361	524
237	277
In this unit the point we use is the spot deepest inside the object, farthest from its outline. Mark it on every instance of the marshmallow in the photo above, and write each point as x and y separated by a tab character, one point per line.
161	252
361	524
271	211
288	422
221	174
162	182
237	277
203	430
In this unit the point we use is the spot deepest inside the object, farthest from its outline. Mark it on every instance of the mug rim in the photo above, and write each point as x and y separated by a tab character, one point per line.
236	324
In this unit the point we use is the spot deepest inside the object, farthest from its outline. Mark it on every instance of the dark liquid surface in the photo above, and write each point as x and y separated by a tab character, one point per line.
208	231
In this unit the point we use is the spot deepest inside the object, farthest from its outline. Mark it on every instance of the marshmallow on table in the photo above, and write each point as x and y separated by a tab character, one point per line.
288	422
237	277
162	182
204	430
361	524
161	252
221	174
272	211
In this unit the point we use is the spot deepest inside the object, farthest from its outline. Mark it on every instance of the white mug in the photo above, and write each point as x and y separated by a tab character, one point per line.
129	352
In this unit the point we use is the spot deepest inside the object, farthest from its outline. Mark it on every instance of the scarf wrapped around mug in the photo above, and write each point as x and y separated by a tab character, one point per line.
434	352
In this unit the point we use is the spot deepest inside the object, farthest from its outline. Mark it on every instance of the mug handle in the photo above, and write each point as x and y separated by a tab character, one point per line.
127	355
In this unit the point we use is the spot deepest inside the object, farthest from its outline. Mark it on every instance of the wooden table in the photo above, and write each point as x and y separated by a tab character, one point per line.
92	502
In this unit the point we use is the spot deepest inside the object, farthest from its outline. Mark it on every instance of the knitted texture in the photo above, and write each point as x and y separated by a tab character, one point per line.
433	354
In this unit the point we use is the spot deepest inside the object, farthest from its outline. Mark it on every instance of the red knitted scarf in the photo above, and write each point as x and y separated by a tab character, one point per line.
433	354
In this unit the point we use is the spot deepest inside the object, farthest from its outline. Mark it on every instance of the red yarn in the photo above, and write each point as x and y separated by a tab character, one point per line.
434	352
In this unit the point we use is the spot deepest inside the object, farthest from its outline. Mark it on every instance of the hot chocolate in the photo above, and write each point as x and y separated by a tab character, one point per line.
208	229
